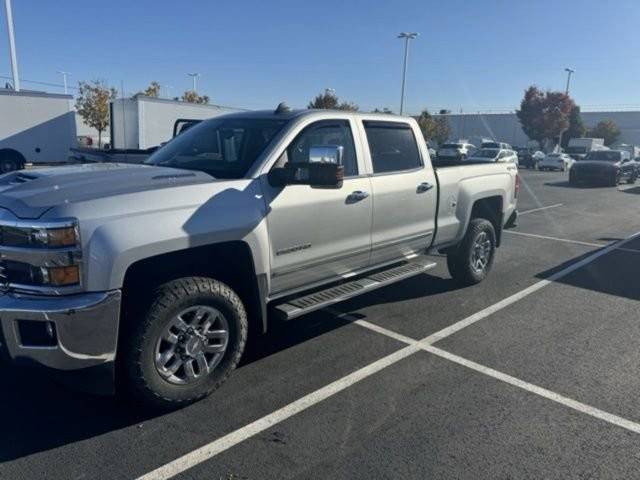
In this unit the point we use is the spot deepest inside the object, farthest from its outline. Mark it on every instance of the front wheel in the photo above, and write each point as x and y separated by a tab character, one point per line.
187	344
470	262
632	178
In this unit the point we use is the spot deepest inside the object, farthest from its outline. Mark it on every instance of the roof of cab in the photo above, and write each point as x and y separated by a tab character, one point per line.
291	114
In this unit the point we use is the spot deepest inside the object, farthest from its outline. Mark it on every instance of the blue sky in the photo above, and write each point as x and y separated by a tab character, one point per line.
474	54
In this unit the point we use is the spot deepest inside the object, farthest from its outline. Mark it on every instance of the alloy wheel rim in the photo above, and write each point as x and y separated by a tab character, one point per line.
481	252
191	345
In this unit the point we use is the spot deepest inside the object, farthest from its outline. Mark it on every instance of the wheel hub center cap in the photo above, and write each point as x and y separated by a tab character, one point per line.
193	346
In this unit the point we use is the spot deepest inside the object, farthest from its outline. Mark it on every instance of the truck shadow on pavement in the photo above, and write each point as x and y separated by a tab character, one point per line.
39	414
612	273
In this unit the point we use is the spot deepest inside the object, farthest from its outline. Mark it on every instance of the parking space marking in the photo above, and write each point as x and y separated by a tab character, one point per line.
476	317
224	443
516	382
218	446
540	391
540	208
628	250
565	240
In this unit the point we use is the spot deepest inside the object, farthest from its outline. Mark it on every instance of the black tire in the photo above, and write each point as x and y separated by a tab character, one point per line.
459	259
632	178
143	380
572	179
615	180
10	161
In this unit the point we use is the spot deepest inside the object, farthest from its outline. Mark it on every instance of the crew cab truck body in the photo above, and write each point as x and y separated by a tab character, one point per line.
156	274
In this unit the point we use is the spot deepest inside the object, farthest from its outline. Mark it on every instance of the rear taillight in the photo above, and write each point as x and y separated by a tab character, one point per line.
517	186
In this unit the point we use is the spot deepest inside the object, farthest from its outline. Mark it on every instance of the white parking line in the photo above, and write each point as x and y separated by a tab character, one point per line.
543	392
539	209
565	240
222	444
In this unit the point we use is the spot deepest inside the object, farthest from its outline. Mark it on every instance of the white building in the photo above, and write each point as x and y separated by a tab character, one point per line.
505	127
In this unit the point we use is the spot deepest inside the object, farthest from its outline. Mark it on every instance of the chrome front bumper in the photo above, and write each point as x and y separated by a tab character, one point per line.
86	330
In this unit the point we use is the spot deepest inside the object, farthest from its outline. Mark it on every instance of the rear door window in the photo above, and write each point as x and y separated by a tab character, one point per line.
393	147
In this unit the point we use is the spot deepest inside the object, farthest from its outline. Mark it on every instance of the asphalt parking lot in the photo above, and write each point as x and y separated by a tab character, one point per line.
531	374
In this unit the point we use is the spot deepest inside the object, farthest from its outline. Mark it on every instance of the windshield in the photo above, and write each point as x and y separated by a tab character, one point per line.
605	156
221	147
486	153
490	145
451	145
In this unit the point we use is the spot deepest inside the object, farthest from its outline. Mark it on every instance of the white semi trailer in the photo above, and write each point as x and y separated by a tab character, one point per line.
35	127
140	122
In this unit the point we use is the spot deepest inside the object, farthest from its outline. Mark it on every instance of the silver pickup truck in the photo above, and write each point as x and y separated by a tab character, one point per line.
151	277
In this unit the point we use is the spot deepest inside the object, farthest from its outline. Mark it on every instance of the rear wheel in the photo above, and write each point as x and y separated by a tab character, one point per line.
187	344
10	161
615	179
470	262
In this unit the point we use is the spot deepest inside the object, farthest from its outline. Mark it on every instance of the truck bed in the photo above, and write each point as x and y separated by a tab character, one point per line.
460	185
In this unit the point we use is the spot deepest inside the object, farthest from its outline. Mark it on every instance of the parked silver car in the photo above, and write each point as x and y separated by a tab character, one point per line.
556	161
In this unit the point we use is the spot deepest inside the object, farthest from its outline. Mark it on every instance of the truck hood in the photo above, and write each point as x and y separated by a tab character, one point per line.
30	193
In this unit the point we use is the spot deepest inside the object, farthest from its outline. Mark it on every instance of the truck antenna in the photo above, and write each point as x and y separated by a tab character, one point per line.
282	108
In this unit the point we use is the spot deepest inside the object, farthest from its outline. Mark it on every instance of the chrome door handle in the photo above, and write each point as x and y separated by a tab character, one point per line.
424	187
357	195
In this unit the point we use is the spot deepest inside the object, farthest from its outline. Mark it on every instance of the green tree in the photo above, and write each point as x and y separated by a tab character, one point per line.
153	90
606	129
576	126
92	104
543	115
192	97
330	101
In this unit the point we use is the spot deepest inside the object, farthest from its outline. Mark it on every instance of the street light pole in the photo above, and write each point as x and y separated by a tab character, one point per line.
406	36
194	76
566	92
12	46
64	80
569	73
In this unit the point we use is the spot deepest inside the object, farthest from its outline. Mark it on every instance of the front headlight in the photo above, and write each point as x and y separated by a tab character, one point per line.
34	236
40	255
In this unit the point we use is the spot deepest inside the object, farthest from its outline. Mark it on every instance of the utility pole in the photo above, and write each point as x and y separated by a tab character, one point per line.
64	80
406	36
194	77
12	46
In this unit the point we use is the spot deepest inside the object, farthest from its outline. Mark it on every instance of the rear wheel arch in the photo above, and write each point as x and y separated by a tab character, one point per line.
491	209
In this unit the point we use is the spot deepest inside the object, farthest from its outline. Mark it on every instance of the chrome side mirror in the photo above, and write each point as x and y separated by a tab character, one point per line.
326	154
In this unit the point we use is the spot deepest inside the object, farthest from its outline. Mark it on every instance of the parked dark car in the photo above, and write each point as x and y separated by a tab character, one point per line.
604	167
529	158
